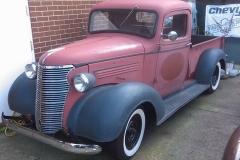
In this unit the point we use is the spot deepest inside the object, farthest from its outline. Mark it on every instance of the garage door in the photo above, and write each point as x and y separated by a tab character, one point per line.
15	45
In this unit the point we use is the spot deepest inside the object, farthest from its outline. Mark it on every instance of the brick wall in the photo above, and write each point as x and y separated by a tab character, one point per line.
56	23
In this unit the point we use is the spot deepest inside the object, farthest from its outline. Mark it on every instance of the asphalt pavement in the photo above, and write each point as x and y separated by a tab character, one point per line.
198	131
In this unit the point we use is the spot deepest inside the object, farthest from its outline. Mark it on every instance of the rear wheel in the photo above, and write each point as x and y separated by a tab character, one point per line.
215	78
129	141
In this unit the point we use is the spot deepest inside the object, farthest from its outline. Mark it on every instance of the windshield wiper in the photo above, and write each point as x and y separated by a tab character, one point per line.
128	15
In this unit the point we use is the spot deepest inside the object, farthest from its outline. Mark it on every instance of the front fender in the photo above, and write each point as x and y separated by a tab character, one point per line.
207	63
22	95
101	113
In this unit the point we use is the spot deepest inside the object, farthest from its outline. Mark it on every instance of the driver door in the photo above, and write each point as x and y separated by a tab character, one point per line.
172	63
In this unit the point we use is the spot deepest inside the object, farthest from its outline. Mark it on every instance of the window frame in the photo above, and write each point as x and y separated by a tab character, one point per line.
172	15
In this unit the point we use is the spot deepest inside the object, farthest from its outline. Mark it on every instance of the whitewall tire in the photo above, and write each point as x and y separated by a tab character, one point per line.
130	139
215	79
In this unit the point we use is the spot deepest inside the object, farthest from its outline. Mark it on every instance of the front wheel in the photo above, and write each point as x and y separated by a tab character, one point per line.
129	141
215	78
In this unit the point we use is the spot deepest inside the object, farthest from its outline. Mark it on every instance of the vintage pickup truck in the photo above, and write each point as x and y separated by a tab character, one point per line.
139	62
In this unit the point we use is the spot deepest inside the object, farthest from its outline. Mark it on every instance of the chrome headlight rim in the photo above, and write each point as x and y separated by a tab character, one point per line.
31	70
83	82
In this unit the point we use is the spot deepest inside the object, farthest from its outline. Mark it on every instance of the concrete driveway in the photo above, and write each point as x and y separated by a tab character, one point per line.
199	131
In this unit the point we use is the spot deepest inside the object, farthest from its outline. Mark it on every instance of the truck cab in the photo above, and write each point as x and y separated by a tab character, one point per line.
138	62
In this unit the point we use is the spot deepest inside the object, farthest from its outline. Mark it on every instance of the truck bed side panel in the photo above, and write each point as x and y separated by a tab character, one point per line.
197	50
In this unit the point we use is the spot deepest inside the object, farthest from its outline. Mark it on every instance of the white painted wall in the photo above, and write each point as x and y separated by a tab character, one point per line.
15	48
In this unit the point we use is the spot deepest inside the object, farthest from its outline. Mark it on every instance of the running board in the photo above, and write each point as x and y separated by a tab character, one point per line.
174	102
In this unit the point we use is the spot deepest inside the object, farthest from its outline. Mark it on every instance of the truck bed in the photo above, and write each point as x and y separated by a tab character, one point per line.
196	39
201	43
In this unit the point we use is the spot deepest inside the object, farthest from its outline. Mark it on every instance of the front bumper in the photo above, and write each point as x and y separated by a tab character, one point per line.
65	146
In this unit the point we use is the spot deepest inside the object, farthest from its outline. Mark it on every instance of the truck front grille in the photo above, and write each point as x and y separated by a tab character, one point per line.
52	90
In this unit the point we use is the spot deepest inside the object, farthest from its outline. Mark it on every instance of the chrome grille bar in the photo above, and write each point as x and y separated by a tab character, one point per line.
52	89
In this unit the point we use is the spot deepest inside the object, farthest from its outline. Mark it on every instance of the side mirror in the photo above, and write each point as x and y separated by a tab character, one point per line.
171	35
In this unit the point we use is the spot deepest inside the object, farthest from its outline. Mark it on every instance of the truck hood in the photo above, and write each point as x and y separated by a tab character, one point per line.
91	50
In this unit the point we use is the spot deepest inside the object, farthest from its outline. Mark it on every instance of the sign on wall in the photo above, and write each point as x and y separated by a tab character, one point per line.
223	19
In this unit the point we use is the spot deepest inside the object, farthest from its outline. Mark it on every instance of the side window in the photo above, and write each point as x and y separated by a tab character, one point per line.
177	23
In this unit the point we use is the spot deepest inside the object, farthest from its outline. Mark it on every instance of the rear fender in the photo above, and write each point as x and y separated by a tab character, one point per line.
101	113
207	63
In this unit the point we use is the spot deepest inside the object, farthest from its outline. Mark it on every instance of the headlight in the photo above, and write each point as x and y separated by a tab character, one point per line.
83	82
31	70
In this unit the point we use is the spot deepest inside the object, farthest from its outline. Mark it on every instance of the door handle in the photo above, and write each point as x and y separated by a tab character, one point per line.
189	44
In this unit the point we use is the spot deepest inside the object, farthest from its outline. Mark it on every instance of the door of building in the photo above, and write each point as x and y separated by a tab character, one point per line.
15	45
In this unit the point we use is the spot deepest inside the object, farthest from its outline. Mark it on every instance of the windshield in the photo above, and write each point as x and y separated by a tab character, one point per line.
142	23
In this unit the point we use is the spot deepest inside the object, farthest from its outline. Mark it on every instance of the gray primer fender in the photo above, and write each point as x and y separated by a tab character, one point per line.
22	95
207	63
101	113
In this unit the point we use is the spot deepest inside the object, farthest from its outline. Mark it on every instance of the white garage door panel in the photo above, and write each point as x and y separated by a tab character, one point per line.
15	48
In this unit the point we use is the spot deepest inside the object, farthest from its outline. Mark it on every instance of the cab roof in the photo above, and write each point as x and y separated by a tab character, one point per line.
160	6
